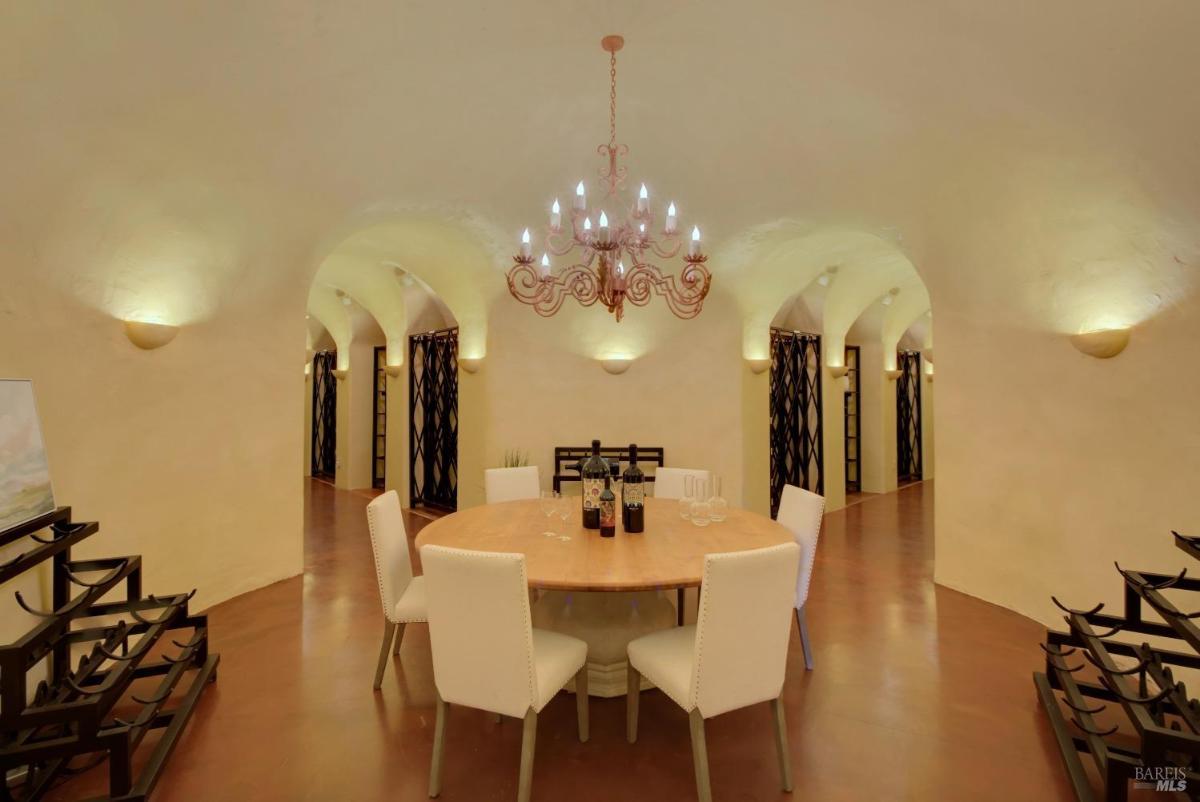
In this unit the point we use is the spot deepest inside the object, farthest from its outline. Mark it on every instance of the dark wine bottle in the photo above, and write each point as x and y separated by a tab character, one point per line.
608	510
594	473
633	495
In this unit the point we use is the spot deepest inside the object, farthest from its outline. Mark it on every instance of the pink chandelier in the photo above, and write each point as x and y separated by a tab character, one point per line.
611	261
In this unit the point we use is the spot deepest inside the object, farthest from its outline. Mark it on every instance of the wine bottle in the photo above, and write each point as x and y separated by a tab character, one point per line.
594	472
633	495
608	510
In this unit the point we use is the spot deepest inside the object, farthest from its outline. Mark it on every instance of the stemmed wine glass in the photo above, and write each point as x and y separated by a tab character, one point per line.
564	509
689	495
549	509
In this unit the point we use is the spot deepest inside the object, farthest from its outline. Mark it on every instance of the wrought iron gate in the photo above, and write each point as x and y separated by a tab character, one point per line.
324	415
908	416
433	417
797	442
853	422
379	420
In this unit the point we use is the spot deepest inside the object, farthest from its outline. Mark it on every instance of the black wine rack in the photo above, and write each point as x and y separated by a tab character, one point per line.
1135	720
69	723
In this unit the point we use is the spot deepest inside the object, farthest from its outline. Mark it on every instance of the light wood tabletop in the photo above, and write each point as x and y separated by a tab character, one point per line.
669	554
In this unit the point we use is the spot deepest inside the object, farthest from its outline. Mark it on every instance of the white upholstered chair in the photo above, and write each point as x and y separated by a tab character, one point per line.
486	653
510	484
668	482
402	594
802	511
735	654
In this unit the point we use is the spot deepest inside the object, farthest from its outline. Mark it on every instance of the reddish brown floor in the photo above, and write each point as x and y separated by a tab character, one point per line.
919	693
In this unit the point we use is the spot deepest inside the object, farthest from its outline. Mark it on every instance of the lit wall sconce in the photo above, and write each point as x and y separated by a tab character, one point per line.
891	296
393	370
149	335
470	364
616	365
838	371
340	373
307	369
759	365
1101	344
893	374
827	277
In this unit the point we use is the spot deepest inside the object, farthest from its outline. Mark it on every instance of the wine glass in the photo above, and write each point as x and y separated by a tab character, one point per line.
549	508
689	495
701	509
564	508
720	507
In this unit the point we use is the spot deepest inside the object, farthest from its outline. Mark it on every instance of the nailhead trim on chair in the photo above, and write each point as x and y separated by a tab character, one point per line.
390	615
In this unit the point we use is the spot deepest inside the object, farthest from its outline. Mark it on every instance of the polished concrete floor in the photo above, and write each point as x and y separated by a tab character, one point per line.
919	693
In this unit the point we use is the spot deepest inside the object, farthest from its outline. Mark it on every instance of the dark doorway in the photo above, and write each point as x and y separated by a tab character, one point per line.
797	442
433	416
853	422
908	417
324	415
379	420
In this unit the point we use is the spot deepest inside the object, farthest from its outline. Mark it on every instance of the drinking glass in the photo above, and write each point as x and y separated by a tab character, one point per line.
689	495
720	507
549	509
701	509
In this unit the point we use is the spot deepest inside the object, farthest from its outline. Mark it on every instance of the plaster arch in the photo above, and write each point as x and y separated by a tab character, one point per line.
326	307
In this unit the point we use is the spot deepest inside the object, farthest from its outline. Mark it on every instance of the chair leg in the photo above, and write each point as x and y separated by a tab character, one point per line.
700	757
399	638
805	641
439	746
679	593
632	695
581	702
781	745
389	629
528	739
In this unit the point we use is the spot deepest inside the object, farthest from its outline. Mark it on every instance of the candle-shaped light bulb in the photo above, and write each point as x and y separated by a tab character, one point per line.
642	229
555	216
643	200
545	269
525	249
603	226
620	268
580	196
694	245
671	222
587	224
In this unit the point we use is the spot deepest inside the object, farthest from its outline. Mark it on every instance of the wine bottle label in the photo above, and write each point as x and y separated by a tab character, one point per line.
592	488
608	513
634	493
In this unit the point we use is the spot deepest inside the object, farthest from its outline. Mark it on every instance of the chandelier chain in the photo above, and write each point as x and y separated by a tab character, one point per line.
612	101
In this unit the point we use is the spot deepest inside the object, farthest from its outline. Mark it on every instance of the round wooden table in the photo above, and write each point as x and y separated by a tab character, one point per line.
628	568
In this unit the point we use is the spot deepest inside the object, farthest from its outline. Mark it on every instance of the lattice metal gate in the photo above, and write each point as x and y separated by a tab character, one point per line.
324	415
853	421
797	442
433	416
908	416
379	420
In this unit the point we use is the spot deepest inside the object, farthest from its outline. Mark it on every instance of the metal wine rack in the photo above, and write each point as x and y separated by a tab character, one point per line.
69	723
1136	721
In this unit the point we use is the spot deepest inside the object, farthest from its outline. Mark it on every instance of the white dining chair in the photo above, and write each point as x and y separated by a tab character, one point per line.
802	511
402	594
486	653
734	656
510	484
669	482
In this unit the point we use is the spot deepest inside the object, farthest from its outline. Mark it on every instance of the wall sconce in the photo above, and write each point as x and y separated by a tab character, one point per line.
149	336
470	364
759	365
892	375
393	370
616	365
340	373
838	371
1103	344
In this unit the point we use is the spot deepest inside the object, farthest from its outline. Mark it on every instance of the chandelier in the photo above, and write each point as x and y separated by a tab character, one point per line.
611	260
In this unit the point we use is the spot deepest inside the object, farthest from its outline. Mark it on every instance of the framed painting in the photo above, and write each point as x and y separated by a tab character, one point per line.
25	490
